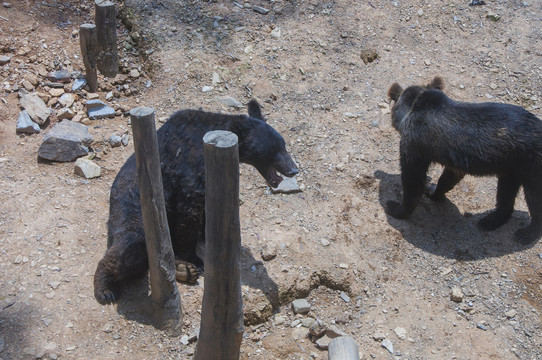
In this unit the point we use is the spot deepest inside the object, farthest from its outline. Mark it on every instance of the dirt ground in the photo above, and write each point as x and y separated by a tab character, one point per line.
368	275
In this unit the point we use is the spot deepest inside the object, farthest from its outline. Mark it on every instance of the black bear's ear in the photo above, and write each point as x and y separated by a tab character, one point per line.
254	110
394	92
436	83
429	99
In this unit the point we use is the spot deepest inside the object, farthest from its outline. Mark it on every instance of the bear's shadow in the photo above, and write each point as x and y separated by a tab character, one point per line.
440	228
135	302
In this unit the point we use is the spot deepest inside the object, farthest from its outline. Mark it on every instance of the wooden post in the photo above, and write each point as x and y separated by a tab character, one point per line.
221	329
343	348
106	31
89	49
164	293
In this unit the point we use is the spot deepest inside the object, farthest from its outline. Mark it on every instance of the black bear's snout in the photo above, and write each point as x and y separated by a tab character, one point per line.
291	172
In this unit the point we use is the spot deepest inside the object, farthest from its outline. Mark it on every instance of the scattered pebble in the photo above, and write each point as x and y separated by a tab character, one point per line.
456	295
301	306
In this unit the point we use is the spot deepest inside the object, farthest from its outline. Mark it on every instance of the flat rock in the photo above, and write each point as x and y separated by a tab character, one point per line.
301	306
26	125
65	114
261	10
66	141
78	84
36	108
97	109
388	345
87	168
229	101
287	186
67	100
61	76
4	59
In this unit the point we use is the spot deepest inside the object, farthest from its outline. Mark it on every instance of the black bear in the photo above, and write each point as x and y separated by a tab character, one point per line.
180	142
468	138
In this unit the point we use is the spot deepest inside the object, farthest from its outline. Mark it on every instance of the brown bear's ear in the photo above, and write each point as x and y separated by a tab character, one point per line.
394	92
436	83
254	110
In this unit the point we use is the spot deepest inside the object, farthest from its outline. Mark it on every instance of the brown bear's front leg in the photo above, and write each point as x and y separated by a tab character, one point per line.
413	174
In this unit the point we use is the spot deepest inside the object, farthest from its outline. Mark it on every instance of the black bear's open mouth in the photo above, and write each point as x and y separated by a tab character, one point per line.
272	177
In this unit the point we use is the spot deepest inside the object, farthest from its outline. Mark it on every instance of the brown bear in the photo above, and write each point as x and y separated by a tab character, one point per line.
468	138
180	142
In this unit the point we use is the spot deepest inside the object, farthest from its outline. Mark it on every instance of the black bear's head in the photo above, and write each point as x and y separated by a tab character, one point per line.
263	147
410	99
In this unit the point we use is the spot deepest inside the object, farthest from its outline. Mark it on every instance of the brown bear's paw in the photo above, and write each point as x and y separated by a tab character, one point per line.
186	272
492	221
527	235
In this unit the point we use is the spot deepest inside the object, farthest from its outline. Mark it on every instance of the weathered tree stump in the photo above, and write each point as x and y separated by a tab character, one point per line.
164	293
106	31
222	325
343	348
89	50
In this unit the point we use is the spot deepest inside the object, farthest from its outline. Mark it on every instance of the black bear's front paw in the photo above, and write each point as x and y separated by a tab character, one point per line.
186	272
396	210
527	235
492	221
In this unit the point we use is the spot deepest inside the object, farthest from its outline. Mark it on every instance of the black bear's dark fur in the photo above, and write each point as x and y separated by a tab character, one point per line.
181	155
468	138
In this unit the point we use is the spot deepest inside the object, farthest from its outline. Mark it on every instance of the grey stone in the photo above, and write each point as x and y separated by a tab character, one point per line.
115	141
126	139
59	76
78	84
36	108
301	306
318	328
287	186
229	101
97	109
334	332
4	59
388	345
65	114
323	342
26	125
345	296
456	295
87	169
67	100
66	141
261	10
307	322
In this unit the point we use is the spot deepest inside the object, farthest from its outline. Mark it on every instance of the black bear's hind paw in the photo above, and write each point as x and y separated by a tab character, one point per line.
396	210
526	235
186	272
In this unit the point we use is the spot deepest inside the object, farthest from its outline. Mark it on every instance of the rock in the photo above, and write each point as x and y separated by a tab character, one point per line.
79	84
325	242
301	306
276	32
388	345
334	332
229	101
368	56
307	322
268	253
134	73
65	114
66	141
61	76
378	336
32	78
345	297
323	342
87	169
287	186
27	85
261	10
456	295
511	314
215	78
36	108
67	100
115	141
278	320
400	332
206	89
120	79
97	109
25	124
4	59
57	92
318	328
126	139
